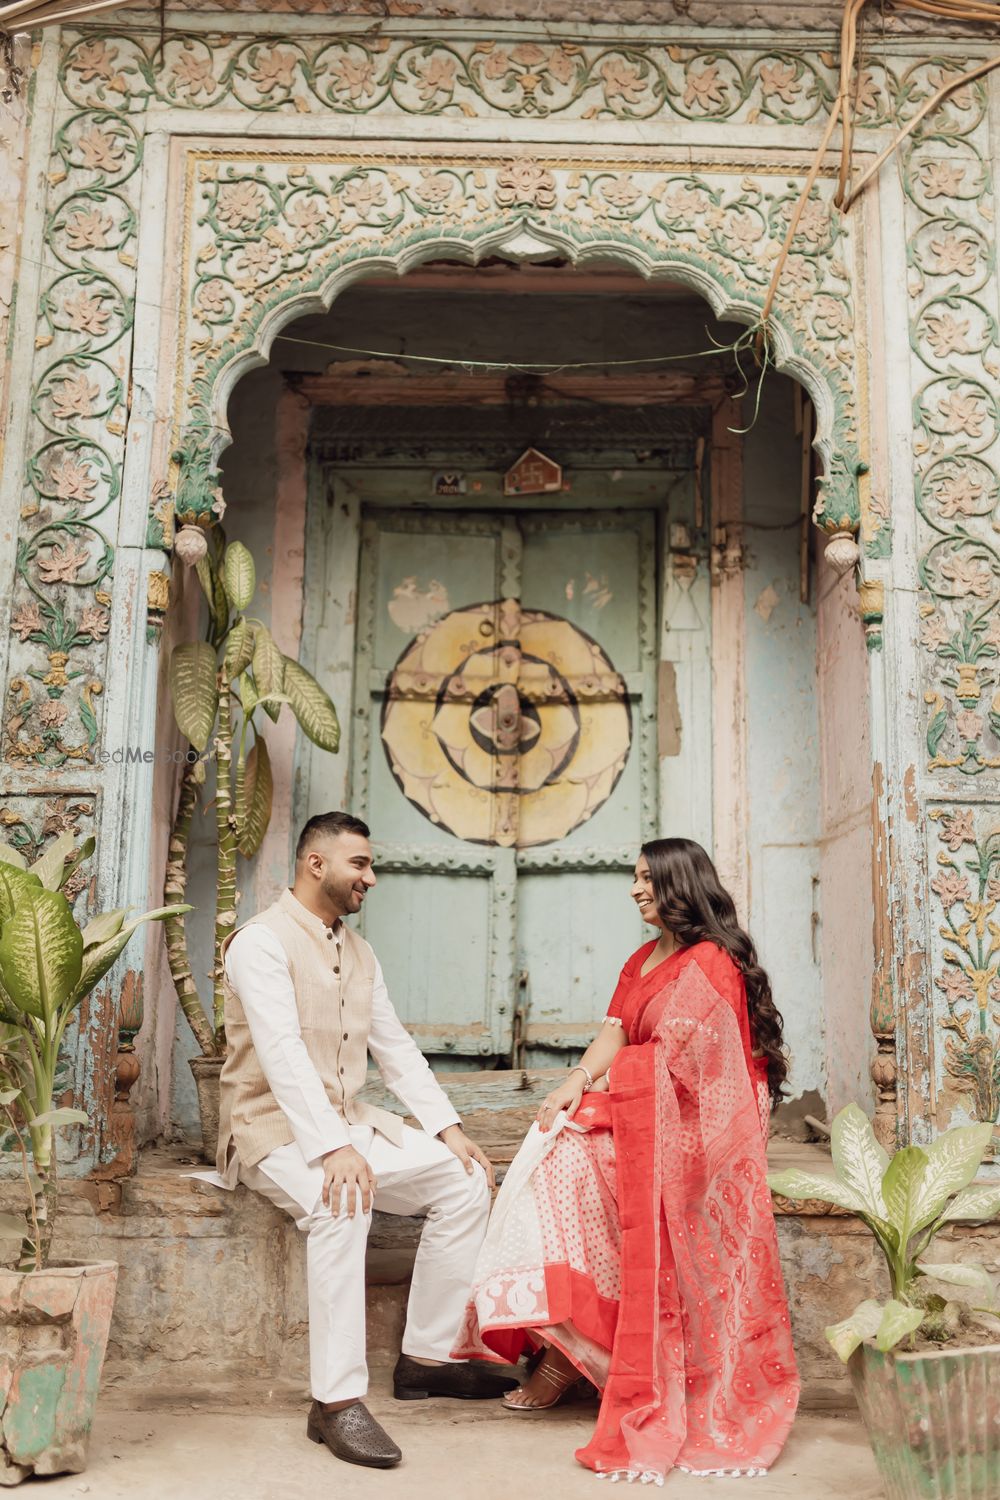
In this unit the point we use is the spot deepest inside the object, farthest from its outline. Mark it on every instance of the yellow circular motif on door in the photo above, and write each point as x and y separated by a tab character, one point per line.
506	726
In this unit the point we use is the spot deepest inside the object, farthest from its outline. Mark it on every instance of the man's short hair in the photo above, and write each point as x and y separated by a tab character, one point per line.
328	826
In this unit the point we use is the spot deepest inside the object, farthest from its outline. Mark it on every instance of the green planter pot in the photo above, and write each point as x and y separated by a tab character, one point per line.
933	1420
54	1327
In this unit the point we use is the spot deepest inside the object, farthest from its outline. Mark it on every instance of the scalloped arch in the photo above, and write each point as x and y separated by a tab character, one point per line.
520	236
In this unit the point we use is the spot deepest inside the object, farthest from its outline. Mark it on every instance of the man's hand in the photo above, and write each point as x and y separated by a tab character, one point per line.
467	1151
347	1168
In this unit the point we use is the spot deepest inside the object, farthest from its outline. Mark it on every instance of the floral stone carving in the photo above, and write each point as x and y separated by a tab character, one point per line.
967	956
285	226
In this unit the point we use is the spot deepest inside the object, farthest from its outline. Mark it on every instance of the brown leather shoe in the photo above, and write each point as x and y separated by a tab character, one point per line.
465	1380
353	1434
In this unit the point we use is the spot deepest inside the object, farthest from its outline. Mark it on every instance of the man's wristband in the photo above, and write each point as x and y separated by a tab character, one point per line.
588	1075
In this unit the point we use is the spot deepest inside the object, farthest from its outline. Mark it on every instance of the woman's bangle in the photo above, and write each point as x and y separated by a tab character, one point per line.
588	1075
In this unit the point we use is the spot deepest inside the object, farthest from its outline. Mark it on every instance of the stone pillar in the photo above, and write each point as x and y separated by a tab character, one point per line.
76	668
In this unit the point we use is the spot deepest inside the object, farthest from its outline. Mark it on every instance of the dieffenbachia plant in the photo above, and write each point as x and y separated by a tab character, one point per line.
48	965
904	1200
236	671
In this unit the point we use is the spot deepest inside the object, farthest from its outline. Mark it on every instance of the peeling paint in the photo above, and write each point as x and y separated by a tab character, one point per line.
668	711
767	602
412	609
596	591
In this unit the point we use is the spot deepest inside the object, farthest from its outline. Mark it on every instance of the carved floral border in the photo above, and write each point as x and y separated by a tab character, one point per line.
281	226
956	362
517	77
966	954
63	585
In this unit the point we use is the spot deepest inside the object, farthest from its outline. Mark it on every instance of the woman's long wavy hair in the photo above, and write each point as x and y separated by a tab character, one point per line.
695	907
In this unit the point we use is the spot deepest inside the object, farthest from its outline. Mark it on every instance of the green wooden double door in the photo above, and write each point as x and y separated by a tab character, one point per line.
503	751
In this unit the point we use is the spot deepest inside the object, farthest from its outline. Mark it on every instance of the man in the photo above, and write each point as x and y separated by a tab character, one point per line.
305	1004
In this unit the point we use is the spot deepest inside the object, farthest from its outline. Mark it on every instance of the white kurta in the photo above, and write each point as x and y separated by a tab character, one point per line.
420	1176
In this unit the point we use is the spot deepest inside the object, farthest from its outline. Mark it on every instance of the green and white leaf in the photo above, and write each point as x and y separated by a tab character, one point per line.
240	575
898	1319
860	1161
259	794
981	1201
952	1162
10	1016
793	1183
85	850
863	1323
312	707
14	883
41	953
268	669
239	812
49	867
220	603
193	691
204	570
57	1117
902	1187
11	856
98	959
239	649
210	578
974	1279
103	926
248	694
13	1228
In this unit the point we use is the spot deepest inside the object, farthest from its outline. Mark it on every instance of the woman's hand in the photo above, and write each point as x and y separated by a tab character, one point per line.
567	1096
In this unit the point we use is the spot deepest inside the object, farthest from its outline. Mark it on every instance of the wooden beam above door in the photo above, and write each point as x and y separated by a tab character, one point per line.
378	382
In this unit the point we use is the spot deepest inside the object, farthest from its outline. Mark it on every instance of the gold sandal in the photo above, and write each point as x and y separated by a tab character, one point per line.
561	1386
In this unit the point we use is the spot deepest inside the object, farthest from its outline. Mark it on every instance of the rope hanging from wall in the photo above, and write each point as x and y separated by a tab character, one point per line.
843	112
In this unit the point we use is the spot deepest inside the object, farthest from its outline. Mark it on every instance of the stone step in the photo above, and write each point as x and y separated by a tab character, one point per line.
212	1284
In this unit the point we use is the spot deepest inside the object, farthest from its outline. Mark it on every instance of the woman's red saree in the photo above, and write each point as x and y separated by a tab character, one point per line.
647	1251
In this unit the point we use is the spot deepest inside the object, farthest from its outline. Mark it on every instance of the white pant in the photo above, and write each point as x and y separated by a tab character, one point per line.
422	1174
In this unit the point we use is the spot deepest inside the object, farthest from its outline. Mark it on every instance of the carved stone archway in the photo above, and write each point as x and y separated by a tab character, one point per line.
276	234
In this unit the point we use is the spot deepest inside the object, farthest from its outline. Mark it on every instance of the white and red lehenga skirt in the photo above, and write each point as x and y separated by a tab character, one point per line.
638	1238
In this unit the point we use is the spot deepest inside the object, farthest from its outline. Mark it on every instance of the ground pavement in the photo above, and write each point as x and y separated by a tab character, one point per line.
200	1447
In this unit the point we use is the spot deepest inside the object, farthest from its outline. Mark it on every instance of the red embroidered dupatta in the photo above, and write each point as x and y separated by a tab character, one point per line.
702	1372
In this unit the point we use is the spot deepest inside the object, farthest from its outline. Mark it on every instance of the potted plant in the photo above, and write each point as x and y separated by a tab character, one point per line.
217	688
925	1363
55	1316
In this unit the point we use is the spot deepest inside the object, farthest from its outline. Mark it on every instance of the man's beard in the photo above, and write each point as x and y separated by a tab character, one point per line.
339	893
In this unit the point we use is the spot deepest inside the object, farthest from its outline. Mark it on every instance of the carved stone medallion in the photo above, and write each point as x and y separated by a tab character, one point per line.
506	726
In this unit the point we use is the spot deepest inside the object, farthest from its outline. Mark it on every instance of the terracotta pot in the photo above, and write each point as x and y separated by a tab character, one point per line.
206	1072
54	1327
933	1420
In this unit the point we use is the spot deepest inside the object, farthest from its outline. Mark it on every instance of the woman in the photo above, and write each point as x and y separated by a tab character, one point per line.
633	1240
